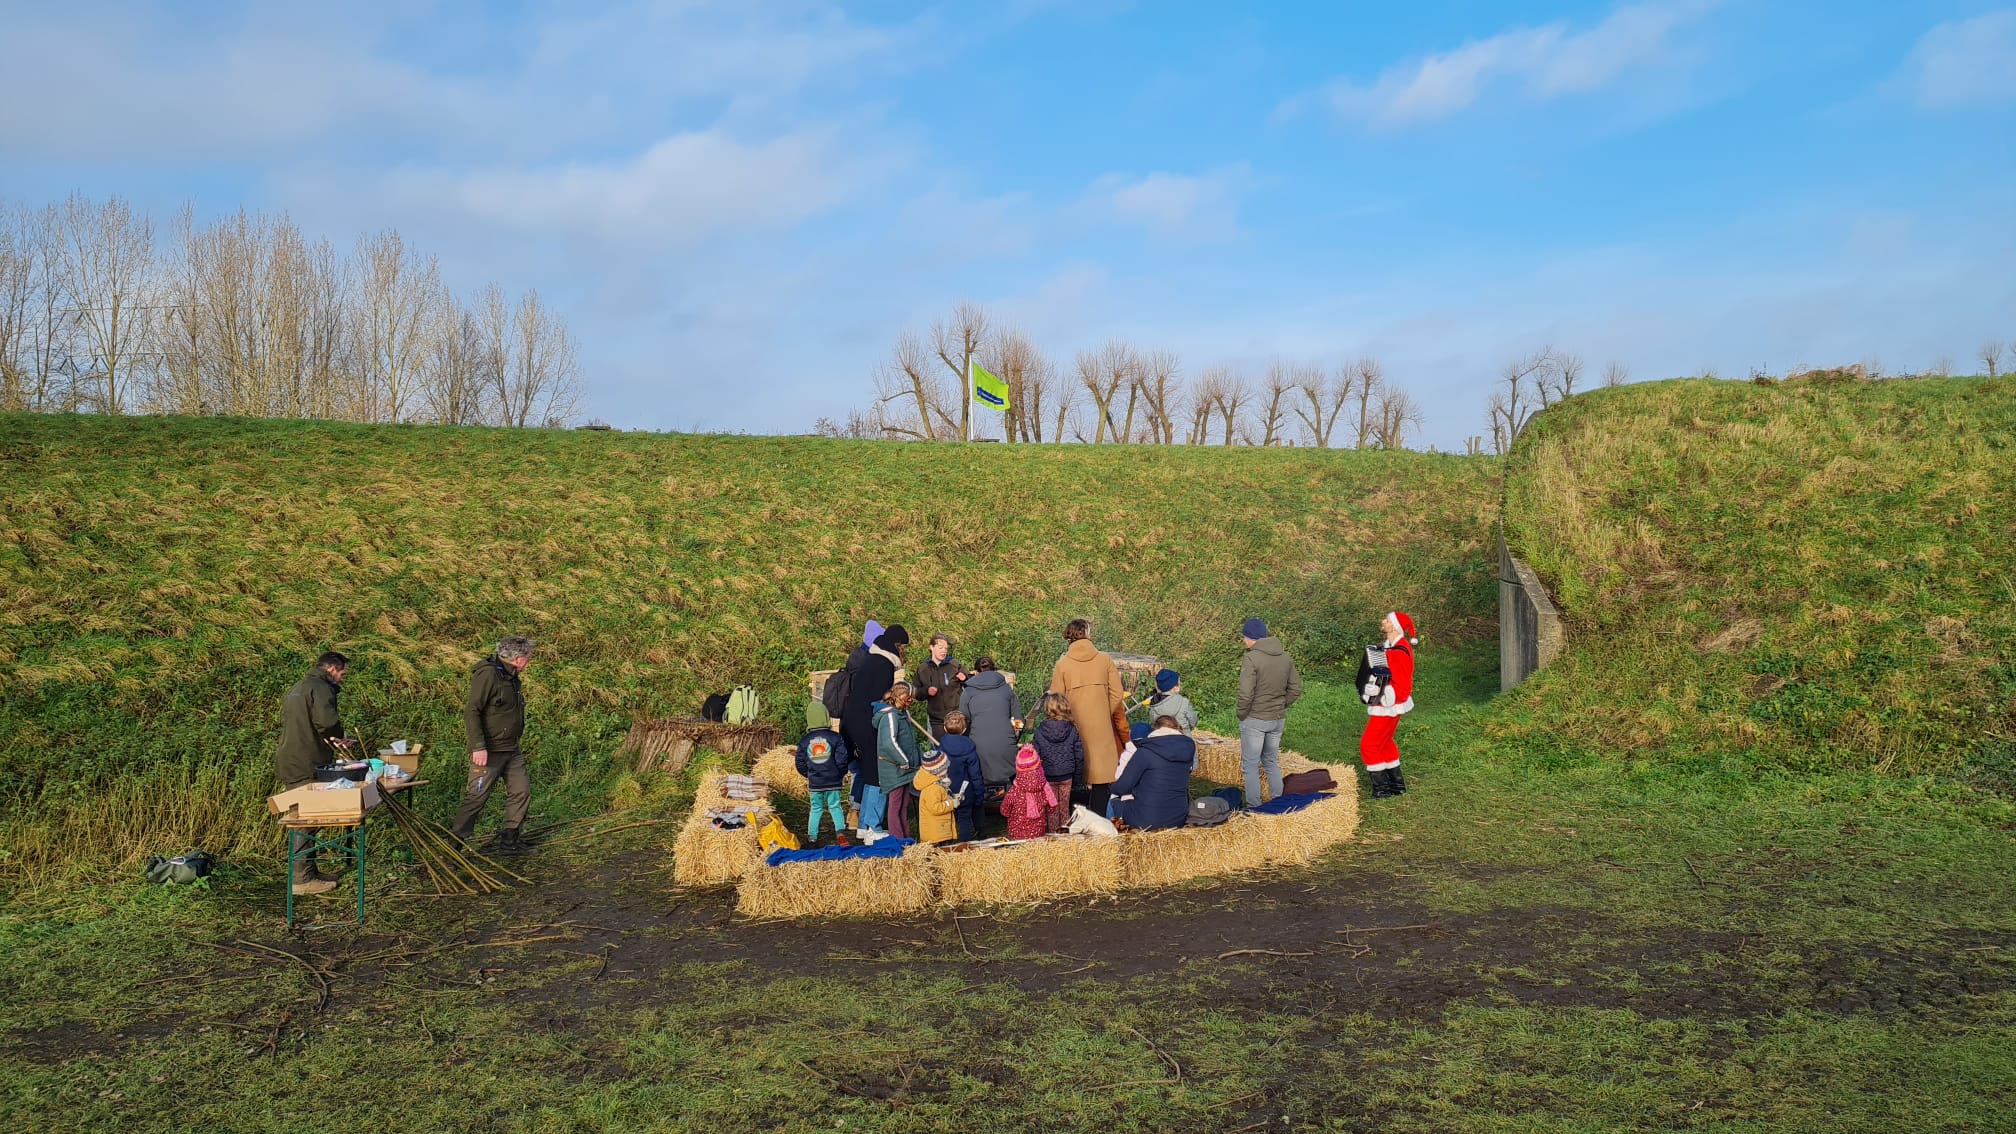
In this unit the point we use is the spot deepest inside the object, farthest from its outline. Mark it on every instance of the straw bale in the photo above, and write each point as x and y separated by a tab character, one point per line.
1032	871
1243	842
846	888
780	766
706	855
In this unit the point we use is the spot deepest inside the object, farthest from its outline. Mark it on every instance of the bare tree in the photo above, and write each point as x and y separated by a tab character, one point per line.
1323	400
1942	367
1015	359
460	374
544	383
1102	376
17	282
1204	397
1991	356
907	376
106	256
1162	390
399	292
1397	413
956	341
1066	408
1370	378
1521	393
1233	394
1558	379
1614	373
1279	389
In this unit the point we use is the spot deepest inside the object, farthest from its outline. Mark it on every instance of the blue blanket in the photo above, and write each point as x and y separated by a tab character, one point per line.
882	848
1287	803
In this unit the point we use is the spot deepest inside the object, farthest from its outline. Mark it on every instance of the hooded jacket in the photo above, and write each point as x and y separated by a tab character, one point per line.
991	711
1098	706
1174	705
936	819
494	716
1268	683
965	769
827	774
896	750
1062	751
870	683
1158	778
308	722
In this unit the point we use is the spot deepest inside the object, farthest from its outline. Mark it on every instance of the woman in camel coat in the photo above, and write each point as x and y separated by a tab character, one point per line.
1087	676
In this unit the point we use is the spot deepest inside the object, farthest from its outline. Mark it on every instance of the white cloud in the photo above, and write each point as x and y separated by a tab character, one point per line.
680	190
1965	61
1176	206
1538	63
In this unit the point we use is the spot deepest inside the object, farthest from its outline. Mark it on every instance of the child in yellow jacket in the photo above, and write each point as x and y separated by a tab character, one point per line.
937	805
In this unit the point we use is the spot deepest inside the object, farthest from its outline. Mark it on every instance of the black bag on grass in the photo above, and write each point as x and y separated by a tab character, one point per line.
715	707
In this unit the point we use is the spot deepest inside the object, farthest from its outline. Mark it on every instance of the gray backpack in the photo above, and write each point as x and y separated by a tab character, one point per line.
1208	811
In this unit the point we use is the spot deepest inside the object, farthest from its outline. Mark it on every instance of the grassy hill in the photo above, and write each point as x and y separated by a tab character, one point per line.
163	581
1813	575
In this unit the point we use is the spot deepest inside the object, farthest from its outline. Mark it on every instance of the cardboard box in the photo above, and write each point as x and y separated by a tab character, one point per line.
325	805
408	761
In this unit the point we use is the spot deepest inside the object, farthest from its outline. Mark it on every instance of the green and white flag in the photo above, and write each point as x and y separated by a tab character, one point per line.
988	390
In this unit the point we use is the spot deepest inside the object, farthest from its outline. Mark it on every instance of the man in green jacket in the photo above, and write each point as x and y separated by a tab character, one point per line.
1268	684
494	719
310	731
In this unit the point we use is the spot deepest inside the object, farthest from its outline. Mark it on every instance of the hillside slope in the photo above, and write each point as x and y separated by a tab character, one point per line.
162	581
1814	575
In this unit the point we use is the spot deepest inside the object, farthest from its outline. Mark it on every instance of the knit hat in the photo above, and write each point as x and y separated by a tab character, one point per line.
1138	731
871	632
937	764
893	637
1167	679
1025	758
816	715
1406	622
1254	629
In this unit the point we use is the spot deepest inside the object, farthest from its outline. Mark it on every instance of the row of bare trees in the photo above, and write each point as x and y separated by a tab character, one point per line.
1123	394
101	312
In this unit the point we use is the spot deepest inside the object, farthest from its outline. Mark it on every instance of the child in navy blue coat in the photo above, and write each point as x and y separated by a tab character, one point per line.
822	760
963	777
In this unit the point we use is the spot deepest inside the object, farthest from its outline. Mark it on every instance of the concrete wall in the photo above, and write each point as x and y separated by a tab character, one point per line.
1529	630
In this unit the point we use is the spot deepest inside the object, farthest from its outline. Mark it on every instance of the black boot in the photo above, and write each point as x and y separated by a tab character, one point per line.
1398	782
1382	785
510	844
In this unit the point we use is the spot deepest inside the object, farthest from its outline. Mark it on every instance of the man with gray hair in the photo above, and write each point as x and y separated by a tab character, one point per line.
494	719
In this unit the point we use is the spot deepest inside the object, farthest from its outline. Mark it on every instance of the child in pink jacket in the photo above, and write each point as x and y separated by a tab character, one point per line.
1029	800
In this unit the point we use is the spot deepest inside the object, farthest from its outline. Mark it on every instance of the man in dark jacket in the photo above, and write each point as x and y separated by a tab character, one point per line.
494	720
310	731
1157	776
1268	684
939	681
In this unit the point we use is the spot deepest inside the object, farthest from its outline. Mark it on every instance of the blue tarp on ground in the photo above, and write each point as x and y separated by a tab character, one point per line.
1287	803
882	848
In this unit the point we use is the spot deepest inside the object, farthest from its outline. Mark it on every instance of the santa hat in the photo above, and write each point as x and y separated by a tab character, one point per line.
1406	626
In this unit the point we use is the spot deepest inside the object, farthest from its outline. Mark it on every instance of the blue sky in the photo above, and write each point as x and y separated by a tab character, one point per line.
740	206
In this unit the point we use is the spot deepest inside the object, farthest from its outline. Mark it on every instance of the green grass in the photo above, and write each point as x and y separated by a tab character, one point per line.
1622	898
163	581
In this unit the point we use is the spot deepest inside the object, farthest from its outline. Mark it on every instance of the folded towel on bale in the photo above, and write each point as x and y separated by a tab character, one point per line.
881	848
1287	803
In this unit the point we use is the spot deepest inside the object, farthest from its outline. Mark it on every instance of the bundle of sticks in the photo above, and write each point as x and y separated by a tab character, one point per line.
453	867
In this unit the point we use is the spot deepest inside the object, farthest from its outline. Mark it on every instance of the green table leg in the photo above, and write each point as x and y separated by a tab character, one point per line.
360	873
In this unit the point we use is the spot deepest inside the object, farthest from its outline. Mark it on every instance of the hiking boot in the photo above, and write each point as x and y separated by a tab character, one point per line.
511	844
314	886
1382	785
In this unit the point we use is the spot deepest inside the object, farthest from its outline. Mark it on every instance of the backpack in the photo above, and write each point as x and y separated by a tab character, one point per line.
834	694
182	868
715	707
1303	783
743	705
1208	811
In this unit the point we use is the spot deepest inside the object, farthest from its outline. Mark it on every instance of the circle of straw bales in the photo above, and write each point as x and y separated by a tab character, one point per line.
1031	871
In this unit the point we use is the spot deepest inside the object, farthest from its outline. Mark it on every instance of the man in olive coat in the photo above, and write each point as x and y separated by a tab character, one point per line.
494	719
310	730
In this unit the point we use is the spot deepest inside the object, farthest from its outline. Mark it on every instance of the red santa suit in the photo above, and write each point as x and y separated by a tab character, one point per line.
1377	748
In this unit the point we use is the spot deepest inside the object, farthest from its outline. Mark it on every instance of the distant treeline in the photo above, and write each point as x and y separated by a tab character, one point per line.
101	312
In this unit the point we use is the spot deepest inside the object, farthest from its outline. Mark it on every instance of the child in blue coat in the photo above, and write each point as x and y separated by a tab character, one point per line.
822	760
963	777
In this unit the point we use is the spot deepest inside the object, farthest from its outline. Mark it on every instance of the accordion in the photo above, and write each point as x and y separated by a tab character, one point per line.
1374	675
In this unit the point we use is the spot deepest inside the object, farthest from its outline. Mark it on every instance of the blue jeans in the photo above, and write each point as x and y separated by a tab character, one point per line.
873	803
1260	749
823	802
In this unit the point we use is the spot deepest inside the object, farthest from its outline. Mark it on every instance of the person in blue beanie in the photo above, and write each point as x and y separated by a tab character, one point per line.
1169	701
